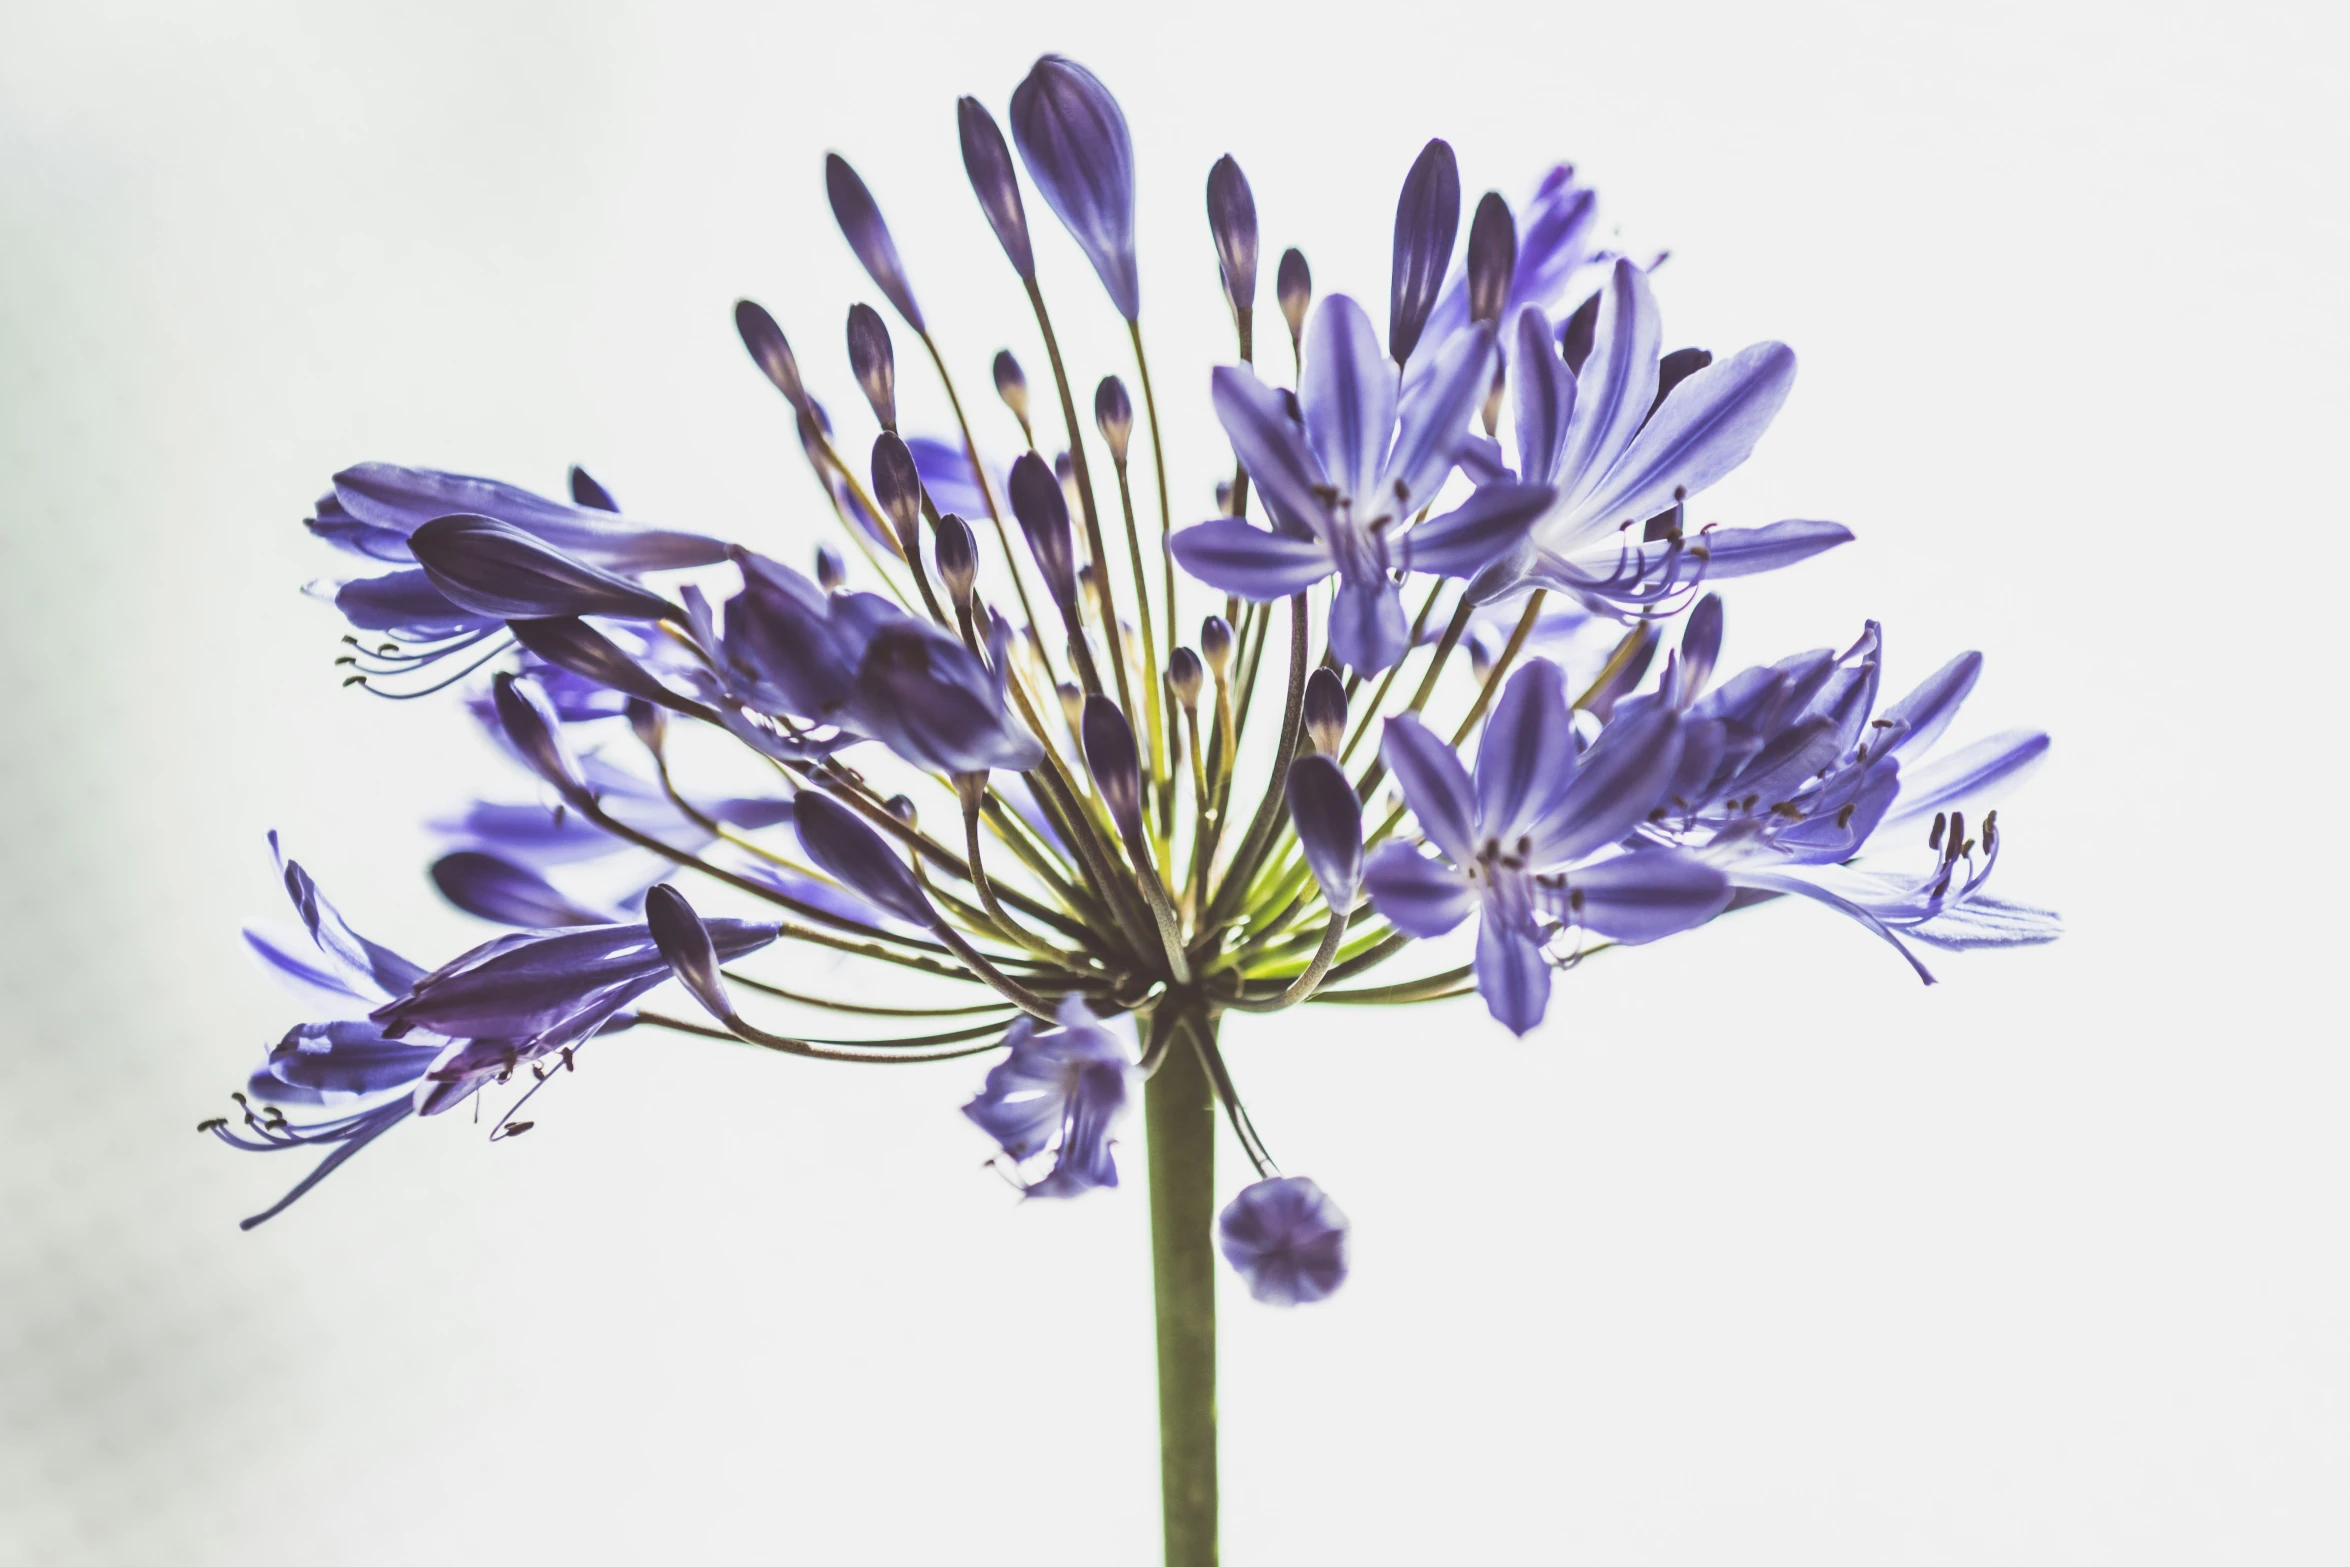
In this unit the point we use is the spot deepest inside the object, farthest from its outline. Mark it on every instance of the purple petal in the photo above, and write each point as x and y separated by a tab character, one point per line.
1644	895
1617	383
1272	447
1767	880
1985	921
498	890
1512	974
861	225
1434	784
387	495
495	568
1747	552
1484	528
1705	429
1073	137
1255	564
1347	394
1434	419
1368	629
1925	712
407	605
1621	779
1526	758
536	734
1417	895
1544	392
573	645
1999	761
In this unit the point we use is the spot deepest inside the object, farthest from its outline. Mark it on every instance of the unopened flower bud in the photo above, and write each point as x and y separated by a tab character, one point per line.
831	570
649	722
1044	517
1294	282
1223	497
766	343
537	734
875	363
1232	218
1072	702
1427	217
861	225
685	942
1011	385
1493	258
1480	659
1183	677
897	485
1089	579
1114	761
1325	710
1114	412
1215	644
989	164
902	807
958	557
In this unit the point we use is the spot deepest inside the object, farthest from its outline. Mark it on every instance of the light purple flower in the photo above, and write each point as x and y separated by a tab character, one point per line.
1060	1094
1287	1239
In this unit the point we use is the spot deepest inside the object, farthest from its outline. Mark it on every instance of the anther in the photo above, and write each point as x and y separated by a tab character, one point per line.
1934	838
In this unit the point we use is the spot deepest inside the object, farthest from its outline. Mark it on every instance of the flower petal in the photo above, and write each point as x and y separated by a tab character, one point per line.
1617	383
861	225
1526	757
1543	389
1272	447
496	889
1706	428
495	568
1645	894
1434	419
1958	779
1481	530
1417	895
1926	711
1347	394
1749	552
1287	1239
1255	564
1368	629
1622	777
1434	783
1512	974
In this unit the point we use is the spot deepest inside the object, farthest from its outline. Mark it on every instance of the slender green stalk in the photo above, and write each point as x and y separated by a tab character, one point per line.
1179	1116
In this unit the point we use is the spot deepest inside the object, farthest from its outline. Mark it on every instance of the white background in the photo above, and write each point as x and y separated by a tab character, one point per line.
1758	1251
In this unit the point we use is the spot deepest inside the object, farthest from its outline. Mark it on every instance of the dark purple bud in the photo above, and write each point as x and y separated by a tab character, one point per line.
504	893
1044	516
537	734
1114	412
897	485
831	570
1089	582
1111	757
875	363
902	807
1294	282
1493	258
685	942
1215	643
495	568
1072	702
1011	385
1701	644
585	491
765	341
989	164
573	644
649	722
1223	497
1073	139
1232	218
1673	369
857	857
1580	331
1183	677
1480	659
1325	710
861	225
958	557
1329	821
1287	1239
1427	217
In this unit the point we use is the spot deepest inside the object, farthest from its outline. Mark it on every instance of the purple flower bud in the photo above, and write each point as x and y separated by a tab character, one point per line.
649	723
1493	258
902	807
1329	822
498	890
1044	516
1287	1239
537	734
1223	497
875	363
495	568
572	644
1111	757
831	570
861	225
685	944
1011	385
765	340
897	485
1294	282
585	491
958	557
1701	644
1073	138
1183	677
1072	702
1215	643
1427	217
1114	412
930	699
1232	218
856	856
989	164
1325	710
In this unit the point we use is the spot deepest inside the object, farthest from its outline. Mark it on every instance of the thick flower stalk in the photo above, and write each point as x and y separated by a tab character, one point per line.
1420	744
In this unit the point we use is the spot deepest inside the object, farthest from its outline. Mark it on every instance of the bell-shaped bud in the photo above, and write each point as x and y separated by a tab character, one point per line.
1294	282
1072	702
573	644
1427	218
861	225
988	162
1073	138
495	568
1113	411
1184	676
1325	710
1215	644
875	363
1089	582
537	734
1116	765
1011	385
585	491
1493	258
768	349
685	942
1701	644
897	485
1480	659
1329	821
1287	1239
857	857
958	557
831	570
902	807
1044	516
649	722
1232	218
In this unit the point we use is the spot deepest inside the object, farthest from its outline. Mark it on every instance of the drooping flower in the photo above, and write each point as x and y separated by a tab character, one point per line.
1060	1093
1531	844
1344	485
1287	1239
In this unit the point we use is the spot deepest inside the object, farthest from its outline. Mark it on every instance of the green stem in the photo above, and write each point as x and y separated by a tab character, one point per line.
1179	1116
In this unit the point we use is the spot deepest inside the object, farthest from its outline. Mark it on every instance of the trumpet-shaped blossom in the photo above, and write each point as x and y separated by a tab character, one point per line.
1287	1239
1344	477
1531	844
1059	1095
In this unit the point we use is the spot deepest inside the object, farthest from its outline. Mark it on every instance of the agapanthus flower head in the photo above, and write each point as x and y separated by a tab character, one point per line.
1057	1098
1287	1239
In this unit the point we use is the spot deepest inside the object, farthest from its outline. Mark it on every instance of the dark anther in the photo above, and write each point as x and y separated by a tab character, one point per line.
1957	831
213	1125
1934	838
1990	830
517	1128
1844	816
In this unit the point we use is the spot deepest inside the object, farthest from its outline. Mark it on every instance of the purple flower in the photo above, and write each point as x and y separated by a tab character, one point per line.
1343	485
1060	1093
1287	1239
1072	136
1529	844
374	508
933	701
